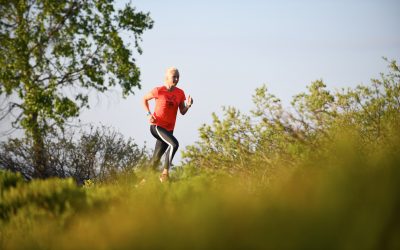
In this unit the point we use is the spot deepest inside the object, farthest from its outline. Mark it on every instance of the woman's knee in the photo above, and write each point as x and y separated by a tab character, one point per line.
175	145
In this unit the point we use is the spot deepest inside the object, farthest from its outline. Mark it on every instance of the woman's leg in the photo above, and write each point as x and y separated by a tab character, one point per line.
171	141
159	149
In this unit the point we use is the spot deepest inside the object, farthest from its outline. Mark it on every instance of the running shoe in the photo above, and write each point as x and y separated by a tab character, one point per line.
164	177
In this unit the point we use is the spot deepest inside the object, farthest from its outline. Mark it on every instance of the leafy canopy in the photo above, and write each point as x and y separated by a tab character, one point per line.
53	53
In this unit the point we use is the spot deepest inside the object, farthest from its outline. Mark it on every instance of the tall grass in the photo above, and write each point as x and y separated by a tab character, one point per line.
347	198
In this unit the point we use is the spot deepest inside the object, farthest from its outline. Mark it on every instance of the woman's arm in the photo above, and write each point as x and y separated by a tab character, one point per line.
146	106
183	108
146	99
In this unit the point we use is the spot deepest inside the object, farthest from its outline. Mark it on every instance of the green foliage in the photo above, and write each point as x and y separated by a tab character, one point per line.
54	196
9	180
272	134
50	45
53	53
46	199
224	146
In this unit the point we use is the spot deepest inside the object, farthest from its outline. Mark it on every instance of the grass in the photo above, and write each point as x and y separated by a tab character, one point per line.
347	198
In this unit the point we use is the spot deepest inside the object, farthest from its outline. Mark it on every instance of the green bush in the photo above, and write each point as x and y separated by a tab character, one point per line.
8	180
54	197
272	135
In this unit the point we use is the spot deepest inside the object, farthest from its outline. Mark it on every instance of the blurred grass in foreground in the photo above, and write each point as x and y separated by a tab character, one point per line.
346	199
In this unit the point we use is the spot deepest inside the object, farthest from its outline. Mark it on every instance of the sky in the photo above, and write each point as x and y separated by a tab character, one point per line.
224	50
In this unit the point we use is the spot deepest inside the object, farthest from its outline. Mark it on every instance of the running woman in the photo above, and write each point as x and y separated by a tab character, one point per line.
168	99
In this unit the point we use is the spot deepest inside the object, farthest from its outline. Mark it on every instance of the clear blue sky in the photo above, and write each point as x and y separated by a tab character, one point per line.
225	49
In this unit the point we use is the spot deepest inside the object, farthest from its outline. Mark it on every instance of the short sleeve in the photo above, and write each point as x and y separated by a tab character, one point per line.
154	92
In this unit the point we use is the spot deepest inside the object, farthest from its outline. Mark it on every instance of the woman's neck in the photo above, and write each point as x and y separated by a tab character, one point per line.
169	87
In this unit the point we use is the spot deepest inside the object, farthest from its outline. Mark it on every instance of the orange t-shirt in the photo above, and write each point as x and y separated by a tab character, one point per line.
167	104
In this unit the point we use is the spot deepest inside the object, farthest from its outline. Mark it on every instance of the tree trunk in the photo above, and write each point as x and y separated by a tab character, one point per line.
39	152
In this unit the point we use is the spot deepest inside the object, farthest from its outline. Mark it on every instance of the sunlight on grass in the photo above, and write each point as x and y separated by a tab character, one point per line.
341	201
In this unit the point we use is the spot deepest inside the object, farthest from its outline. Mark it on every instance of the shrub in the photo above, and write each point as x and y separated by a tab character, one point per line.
9	180
97	153
272	135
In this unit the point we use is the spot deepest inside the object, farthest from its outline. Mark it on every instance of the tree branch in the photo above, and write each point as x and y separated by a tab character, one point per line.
11	107
59	25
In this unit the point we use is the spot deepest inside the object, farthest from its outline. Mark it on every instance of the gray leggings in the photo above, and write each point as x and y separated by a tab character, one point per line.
165	140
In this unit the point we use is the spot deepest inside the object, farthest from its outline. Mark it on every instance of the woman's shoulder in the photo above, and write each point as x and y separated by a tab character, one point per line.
179	90
158	88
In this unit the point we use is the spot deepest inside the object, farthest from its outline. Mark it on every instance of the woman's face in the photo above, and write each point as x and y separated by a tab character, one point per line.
173	77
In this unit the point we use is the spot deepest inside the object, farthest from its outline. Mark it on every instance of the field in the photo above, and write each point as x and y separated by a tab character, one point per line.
345	200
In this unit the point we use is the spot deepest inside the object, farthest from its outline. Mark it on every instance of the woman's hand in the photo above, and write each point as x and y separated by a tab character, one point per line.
189	101
184	106
152	118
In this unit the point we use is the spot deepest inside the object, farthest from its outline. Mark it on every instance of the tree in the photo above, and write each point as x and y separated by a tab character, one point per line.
53	52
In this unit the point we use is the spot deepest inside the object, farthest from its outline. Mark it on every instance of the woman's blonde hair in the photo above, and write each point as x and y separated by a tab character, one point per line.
170	69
